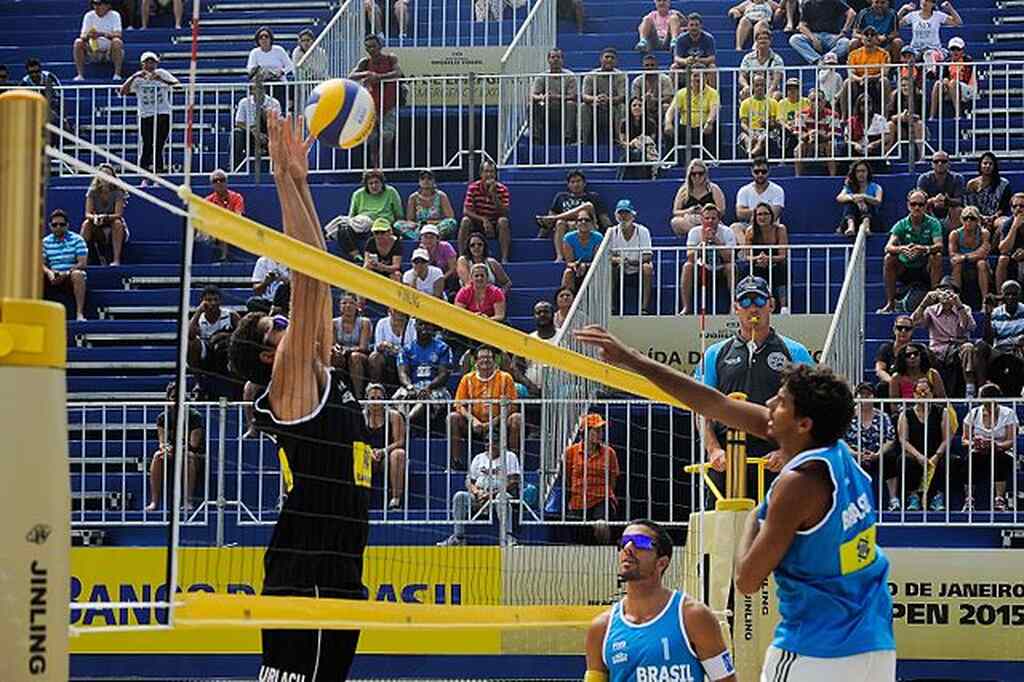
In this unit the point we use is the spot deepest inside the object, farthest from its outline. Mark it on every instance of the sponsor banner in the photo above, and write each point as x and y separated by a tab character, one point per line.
429	575
450	61
676	340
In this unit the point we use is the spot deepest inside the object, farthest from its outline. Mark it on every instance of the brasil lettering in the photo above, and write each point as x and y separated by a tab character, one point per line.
664	673
410	593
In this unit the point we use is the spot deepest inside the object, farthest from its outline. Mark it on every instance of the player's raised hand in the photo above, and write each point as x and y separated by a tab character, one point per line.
275	146
611	349
298	148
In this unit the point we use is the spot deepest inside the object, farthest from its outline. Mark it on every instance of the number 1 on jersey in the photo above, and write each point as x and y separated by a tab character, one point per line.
664	648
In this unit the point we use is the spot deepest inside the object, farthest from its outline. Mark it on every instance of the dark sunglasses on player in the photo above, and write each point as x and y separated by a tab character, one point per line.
747	301
639	540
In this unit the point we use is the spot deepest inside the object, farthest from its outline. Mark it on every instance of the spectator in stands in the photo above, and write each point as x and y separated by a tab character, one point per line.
719	264
65	257
969	247
352	335
385	431
494	478
924	25
925	435
383	252
36	77
694	49
909	70
885	358
227	199
914	250
149	7
424	367
249	136
758	121
655	88
315	67
868	73
578	250
819	134
99	40
529	375
393	332
762	60
563	302
423	276
989	191
270	63
476	252
760	190
592	470
480	296
956	84
152	89
660	28
945	190
870	437
481	420
267	277
637	142
766	262
905	126
1009	234
949	323
692	118
631	255
828	81
692	196
749	14
428	205
997	357
553	103
860	198
914	363
374	71
823	28
104	229
603	100
163	459
374	18
209	334
570	206
865	127
990	439
881	17
376	199
442	255
486	210
790	108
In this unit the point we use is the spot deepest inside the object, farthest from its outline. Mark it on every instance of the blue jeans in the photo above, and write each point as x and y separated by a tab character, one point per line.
830	42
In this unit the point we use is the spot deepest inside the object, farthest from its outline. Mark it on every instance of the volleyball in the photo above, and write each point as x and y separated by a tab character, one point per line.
340	113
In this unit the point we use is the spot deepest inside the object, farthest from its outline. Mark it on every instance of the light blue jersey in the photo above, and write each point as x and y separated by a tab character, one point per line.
655	651
832	582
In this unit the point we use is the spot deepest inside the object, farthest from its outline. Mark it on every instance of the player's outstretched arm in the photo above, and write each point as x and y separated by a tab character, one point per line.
596	669
705	635
706	401
298	372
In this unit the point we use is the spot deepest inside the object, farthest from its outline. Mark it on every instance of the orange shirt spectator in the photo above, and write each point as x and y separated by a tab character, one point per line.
493	386
592	475
224	197
867	62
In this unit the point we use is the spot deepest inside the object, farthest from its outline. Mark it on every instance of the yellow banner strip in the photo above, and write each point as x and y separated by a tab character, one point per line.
205	610
258	239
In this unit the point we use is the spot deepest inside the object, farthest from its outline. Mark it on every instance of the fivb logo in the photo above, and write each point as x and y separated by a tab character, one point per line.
664	673
268	674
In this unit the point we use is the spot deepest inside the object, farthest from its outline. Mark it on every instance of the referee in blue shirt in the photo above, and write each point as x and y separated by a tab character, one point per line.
65	256
750	362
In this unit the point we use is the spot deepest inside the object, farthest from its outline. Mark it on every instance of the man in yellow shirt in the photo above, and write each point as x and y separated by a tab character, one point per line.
867	74
694	108
788	116
759	116
483	419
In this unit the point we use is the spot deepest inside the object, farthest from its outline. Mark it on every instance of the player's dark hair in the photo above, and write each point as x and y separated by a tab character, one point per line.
245	348
663	541
575	173
32	61
211	290
821	396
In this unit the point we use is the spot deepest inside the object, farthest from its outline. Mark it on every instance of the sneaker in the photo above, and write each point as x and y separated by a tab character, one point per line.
999	504
452	541
894	504
914	503
79	78
116	77
937	503
642	45
510	540
784	310
968	504
394	503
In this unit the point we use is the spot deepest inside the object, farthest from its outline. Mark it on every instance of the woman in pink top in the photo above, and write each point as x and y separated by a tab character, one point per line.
480	296
659	29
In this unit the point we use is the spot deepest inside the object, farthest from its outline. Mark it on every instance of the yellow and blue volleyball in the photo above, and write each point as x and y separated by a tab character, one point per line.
340	113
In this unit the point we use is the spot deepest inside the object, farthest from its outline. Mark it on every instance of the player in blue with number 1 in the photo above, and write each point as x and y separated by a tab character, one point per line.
654	634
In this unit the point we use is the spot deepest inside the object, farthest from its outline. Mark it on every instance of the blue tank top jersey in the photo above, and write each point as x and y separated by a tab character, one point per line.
832	582
655	651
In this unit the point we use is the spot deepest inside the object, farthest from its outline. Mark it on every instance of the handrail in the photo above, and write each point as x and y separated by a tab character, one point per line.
521	32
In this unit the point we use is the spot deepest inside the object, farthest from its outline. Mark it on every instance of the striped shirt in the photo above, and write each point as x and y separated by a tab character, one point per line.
1007	327
478	200
62	254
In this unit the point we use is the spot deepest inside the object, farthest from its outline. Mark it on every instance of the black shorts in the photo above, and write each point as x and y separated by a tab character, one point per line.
309	655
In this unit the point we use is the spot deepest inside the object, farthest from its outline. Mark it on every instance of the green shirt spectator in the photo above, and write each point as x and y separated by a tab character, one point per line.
922	234
376	199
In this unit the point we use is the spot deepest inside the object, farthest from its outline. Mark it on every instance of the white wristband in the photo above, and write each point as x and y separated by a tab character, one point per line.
719	667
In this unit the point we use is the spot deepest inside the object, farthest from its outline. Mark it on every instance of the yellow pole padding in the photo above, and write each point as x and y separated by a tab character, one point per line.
258	239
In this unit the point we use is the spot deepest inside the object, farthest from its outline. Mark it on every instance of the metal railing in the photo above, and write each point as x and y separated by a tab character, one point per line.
335	52
844	345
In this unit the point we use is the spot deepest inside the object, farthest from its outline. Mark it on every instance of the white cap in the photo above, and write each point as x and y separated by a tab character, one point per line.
956	42
421	254
149	55
430	228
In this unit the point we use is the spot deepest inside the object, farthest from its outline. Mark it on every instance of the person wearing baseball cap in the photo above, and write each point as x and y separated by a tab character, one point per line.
957	84
749	362
592	469
969	247
866	74
383	252
630	256
152	86
790	107
99	40
423	276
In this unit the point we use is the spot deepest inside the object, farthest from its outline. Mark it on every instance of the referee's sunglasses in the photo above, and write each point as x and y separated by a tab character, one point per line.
639	540
758	300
